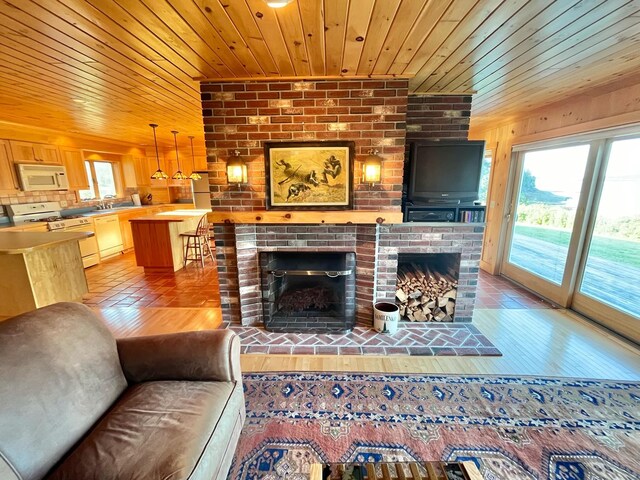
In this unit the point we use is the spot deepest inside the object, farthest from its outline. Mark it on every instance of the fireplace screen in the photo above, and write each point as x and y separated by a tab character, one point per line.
308	292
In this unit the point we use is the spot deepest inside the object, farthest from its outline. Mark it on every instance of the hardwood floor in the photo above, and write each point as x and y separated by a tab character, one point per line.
535	338
533	342
141	321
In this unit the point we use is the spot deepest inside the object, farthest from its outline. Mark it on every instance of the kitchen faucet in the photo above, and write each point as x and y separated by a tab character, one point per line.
102	205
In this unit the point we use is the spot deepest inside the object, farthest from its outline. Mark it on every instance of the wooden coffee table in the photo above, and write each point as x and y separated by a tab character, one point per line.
396	471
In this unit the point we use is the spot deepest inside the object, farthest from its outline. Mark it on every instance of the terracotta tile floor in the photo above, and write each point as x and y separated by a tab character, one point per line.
499	293
118	282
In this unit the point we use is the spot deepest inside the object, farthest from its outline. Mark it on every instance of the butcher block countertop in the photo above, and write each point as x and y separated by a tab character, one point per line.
172	216
12	243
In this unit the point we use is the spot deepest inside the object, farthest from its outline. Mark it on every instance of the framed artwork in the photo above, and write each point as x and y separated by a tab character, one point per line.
309	175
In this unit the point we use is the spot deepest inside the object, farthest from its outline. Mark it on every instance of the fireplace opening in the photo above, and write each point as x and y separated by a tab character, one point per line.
308	292
427	285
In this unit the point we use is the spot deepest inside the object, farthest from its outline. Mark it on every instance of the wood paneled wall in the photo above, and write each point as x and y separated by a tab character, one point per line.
597	109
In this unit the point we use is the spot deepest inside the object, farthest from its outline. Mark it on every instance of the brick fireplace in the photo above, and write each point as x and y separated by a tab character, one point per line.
376	247
374	114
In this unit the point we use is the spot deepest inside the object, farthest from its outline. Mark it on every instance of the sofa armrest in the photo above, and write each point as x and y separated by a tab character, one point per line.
198	356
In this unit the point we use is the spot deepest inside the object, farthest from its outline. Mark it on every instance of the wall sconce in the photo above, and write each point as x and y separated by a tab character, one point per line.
236	170
372	168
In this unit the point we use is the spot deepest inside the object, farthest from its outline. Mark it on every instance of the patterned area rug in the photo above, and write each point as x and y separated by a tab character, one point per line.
513	428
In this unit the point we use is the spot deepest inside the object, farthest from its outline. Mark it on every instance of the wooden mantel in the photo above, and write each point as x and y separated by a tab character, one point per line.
307	216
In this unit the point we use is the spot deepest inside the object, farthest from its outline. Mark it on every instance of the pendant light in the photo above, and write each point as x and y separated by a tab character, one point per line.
194	175
178	175
158	174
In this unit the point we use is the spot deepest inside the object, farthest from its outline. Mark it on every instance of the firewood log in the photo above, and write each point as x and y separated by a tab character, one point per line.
401	295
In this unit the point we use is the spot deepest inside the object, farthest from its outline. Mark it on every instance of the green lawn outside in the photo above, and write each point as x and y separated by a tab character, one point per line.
615	250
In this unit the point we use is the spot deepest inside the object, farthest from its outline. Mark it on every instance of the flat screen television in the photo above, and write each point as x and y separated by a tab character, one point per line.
445	172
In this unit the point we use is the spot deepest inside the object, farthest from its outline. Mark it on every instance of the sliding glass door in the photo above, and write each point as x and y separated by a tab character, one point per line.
609	285
546	198
574	227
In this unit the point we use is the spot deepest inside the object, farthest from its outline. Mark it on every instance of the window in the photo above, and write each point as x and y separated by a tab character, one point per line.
574	228
485	175
102	180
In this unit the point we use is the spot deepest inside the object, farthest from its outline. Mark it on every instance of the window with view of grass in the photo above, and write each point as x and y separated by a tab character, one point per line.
575	232
102	180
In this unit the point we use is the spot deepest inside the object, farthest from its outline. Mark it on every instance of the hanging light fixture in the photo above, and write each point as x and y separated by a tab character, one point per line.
178	175
372	168
236	170
158	174
194	175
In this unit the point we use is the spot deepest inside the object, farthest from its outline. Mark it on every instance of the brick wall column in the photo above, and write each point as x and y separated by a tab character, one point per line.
225	239
366	258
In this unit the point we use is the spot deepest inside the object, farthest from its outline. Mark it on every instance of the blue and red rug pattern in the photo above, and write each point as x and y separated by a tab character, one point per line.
511	427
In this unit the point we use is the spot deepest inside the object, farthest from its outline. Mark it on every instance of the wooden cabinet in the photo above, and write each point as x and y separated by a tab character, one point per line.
73	161
8	178
144	168
47	153
125	227
27	152
128	172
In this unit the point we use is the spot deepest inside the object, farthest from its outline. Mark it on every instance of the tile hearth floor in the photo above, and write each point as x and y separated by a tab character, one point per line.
420	339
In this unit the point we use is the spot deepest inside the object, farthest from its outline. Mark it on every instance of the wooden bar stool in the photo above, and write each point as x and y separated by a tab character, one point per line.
198	243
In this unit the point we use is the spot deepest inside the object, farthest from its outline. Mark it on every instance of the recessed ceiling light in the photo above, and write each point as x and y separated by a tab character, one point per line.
278	3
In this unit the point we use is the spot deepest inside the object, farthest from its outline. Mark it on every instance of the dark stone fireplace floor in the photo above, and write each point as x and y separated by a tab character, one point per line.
420	339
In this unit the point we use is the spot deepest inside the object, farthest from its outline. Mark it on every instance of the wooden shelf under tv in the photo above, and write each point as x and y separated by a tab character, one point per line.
445	213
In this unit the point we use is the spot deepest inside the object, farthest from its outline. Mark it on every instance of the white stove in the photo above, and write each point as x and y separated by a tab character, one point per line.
49	212
61	223
34	212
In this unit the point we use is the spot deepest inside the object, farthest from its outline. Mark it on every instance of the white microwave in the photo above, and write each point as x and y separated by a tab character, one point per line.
42	177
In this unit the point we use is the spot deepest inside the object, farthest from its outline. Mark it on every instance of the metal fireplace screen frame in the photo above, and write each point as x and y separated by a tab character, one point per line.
308	293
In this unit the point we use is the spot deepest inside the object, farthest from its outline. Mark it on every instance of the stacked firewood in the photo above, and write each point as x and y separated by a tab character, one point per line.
425	295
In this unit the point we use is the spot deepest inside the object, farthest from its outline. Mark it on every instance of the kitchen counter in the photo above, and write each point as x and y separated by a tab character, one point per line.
157	241
183	207
173	216
12	243
40	268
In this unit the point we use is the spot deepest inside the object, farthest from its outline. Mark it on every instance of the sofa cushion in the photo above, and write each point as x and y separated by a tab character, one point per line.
156	430
59	373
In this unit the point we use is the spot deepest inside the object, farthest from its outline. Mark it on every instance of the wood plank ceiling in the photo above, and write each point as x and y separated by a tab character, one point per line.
110	67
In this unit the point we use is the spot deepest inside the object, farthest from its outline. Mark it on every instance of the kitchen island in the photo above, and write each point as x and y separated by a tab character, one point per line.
157	242
40	268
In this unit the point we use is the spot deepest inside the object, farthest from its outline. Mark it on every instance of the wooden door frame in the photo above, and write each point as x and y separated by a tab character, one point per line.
558	294
616	320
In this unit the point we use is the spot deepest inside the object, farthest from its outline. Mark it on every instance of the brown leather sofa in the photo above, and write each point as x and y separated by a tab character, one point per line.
77	404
